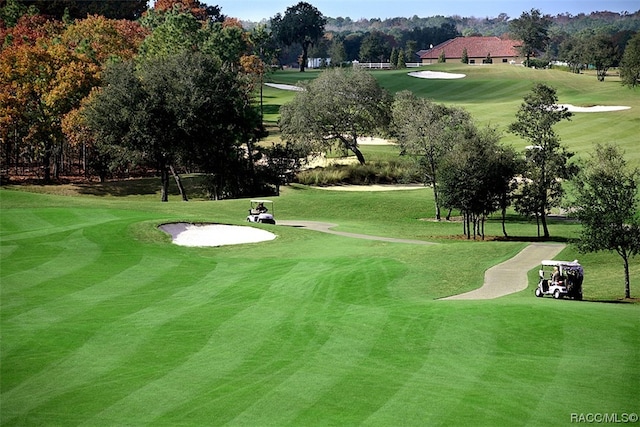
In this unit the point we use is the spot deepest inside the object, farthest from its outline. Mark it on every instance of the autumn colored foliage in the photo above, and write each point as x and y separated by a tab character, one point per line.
46	69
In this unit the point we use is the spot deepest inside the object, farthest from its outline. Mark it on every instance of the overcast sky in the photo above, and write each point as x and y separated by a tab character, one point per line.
256	10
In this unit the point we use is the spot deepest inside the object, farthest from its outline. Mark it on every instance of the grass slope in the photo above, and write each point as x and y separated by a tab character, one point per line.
493	94
105	322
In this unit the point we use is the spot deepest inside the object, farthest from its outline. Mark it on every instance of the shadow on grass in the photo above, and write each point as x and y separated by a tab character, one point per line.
531	239
271	109
142	187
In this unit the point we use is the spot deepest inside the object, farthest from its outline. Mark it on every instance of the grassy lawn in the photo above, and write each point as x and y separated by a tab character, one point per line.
493	94
105	322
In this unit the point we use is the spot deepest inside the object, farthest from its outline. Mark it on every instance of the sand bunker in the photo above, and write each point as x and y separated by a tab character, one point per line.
594	108
185	234
284	87
435	75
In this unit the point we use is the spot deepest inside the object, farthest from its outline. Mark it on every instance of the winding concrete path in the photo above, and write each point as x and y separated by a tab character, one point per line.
511	276
503	279
326	227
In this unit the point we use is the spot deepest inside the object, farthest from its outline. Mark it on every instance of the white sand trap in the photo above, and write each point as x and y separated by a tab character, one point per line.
185	234
372	140
373	187
436	75
594	109
284	87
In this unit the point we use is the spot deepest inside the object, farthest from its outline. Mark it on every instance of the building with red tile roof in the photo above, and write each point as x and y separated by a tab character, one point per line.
501	51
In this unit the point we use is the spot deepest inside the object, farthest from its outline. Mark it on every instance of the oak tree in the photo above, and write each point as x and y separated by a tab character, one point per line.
339	106
302	24
607	206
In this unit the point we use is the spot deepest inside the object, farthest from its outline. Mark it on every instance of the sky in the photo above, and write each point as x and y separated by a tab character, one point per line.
256	10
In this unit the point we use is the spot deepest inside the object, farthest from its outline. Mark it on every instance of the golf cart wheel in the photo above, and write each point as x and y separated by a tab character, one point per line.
539	293
556	294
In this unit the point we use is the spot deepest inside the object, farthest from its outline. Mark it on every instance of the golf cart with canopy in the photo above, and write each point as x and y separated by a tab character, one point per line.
560	279
259	212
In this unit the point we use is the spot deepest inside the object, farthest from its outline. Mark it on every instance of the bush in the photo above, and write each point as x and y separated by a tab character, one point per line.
388	172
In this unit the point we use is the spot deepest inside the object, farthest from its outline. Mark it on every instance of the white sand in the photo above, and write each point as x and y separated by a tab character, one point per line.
185	234
284	87
594	109
436	75
373	187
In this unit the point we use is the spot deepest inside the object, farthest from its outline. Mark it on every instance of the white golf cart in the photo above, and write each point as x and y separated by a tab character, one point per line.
259	212
566	282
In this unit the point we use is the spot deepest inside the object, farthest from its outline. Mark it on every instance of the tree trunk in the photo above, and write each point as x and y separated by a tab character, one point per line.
358	154
303	60
504	219
46	163
164	178
183	193
435	199
627	288
545	228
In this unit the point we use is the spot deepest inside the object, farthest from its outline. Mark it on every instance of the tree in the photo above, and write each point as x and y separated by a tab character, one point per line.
607	206
532	28
402	60
374	48
427	132
547	160
302	24
339	106
337	53
475	177
79	9
630	65
572	52
600	51
465	56
393	59
180	109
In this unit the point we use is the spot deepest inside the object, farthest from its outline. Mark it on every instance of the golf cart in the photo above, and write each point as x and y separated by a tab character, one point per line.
565	282
259	212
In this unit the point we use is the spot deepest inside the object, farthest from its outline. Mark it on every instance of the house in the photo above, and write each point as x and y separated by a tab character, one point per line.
501	51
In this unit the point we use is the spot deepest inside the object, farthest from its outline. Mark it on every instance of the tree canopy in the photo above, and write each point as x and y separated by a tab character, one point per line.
547	160
302	24
630	65
607	206
532	28
427	131
339	106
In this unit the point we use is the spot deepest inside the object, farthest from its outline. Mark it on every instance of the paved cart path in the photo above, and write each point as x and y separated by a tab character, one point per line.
503	279
511	276
326	227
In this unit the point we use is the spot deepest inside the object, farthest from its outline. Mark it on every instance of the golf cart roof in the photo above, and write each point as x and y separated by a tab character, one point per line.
261	201
555	263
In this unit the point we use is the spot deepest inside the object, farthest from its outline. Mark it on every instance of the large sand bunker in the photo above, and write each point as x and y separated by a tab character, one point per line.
436	75
284	87
593	108
186	234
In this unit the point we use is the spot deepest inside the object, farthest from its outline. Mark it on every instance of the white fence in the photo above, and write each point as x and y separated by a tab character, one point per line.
383	65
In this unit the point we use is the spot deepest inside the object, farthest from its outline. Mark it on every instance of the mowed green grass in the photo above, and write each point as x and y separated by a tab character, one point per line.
493	94
105	322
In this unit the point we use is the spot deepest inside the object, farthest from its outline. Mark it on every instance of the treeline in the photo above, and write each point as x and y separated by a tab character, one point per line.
173	91
356	38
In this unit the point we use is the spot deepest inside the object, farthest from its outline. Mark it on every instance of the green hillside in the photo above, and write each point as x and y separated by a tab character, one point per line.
493	94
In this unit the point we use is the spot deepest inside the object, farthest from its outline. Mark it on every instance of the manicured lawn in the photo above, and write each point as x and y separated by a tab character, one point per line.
493	94
105	322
